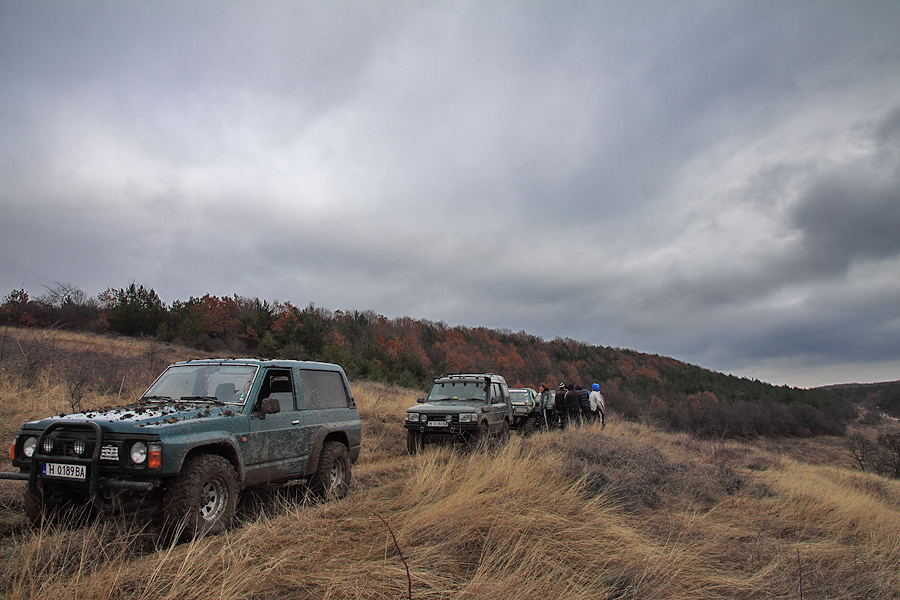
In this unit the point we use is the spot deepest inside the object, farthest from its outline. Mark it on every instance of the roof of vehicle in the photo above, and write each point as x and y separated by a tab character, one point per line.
287	364
470	376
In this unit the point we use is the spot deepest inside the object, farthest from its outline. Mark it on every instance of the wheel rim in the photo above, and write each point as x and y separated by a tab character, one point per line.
212	499
337	474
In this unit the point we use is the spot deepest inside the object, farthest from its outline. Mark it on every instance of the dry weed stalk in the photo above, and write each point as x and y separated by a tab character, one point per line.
400	554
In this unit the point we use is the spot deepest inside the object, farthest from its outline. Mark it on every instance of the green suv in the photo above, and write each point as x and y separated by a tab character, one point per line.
201	433
467	407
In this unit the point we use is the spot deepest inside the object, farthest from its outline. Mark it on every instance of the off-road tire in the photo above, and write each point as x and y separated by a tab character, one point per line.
34	509
332	476
503	433
530	426
40	511
202	500
481	438
415	441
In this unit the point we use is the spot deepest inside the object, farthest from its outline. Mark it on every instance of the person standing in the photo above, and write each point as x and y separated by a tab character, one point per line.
598	405
546	406
573	405
584	403
560	410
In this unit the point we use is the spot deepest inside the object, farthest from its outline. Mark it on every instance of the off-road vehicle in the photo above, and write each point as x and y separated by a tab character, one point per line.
203	431
527	418
467	407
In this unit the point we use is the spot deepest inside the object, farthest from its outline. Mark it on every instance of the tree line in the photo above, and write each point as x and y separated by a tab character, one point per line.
409	352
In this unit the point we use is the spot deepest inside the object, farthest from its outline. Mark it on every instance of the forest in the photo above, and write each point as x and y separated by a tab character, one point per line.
409	353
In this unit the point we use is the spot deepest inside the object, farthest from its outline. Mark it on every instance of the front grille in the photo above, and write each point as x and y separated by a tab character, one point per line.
65	446
450	419
109	453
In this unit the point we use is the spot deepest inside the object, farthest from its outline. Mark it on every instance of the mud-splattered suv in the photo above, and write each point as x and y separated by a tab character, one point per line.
467	407
201	433
526	410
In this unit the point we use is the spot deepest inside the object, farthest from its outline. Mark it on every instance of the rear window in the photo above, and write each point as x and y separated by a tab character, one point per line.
323	389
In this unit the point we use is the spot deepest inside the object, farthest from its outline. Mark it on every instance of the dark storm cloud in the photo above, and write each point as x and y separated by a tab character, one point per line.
717	182
853	212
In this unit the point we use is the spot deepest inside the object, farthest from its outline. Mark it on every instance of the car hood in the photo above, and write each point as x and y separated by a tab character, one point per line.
143	415
451	406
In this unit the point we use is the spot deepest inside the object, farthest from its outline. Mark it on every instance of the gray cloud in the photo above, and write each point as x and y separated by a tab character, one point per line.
715	182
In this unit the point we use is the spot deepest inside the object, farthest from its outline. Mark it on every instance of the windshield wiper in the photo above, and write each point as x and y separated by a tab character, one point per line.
157	398
212	399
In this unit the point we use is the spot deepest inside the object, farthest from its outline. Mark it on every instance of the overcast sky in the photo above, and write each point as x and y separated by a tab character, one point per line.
714	181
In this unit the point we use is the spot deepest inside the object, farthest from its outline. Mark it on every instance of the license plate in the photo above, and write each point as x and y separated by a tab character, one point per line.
437	423
65	471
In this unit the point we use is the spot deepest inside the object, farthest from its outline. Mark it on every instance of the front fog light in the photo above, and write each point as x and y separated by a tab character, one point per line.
47	445
138	453
79	446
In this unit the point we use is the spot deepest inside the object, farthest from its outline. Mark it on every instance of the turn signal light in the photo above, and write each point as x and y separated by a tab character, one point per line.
154	456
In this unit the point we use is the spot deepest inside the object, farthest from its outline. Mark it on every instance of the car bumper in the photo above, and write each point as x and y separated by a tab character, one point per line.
450	429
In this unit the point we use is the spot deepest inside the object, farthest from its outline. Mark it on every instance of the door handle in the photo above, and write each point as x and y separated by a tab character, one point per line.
295	422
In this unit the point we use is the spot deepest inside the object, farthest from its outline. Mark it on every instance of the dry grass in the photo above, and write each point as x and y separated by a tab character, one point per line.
629	512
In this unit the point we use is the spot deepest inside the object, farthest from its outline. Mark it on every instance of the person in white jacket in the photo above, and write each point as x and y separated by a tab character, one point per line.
598	405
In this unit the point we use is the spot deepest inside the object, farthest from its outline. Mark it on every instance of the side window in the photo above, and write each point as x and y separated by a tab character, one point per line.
323	389
502	393
277	384
495	394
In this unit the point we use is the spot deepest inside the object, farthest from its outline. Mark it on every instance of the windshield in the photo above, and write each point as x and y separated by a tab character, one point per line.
457	390
519	395
227	384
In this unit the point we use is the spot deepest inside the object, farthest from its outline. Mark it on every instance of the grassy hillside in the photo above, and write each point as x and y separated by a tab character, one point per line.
409	353
626	512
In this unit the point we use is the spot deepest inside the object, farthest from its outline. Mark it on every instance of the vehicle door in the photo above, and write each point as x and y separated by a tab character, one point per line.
499	406
277	441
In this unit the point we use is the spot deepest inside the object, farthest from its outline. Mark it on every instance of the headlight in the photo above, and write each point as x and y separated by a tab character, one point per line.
412	417
47	445
138	453
28	446
468	418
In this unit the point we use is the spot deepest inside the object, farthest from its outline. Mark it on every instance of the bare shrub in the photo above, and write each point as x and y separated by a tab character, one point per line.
880	456
640	476
887	460
862	449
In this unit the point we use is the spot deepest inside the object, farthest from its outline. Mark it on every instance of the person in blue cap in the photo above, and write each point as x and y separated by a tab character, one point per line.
598	405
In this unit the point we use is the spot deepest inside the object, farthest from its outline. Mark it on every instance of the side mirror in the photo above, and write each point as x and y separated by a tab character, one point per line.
269	406
420	400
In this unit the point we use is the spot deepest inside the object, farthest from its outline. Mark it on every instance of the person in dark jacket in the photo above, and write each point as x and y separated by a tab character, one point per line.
584	403
573	406
559	404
